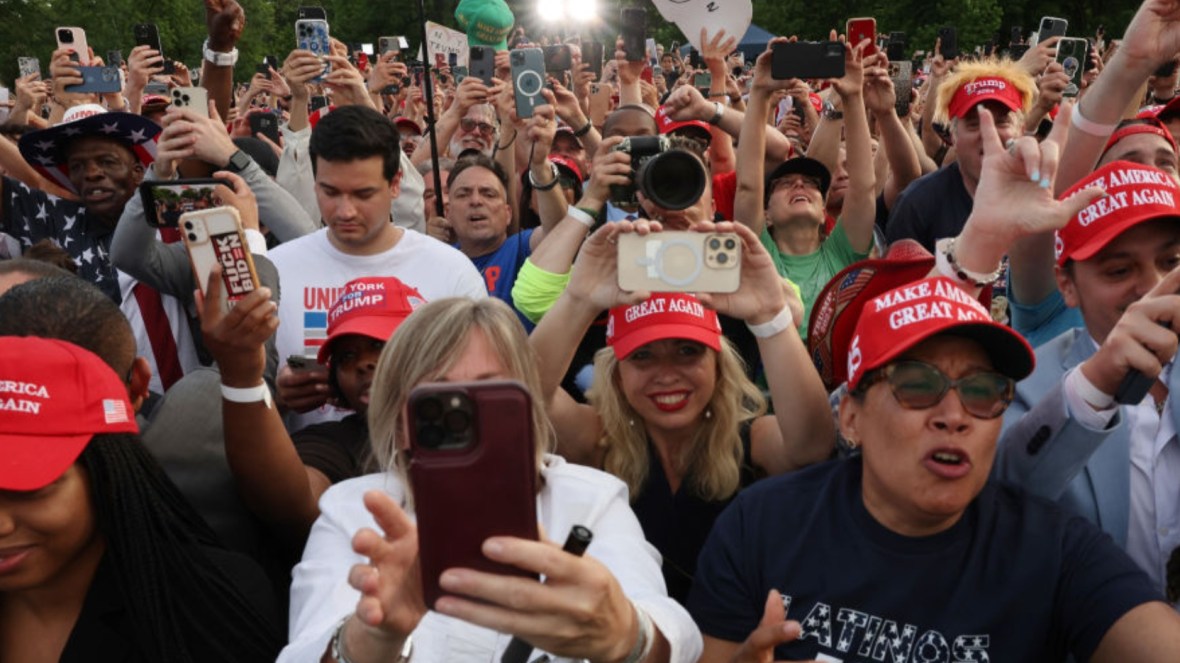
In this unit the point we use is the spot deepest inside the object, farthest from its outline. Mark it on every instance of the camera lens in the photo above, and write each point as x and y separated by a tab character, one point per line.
456	421
714	244
430	409
188	225
674	180
431	437
65	36
730	244
185	98
192	237
722	258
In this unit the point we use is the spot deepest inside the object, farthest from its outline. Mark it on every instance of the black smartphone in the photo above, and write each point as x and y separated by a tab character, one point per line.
948	42
317	102
313	12
558	58
146	34
694	59
807	59
263	69
266	124
165	200
115	57
481	63
592	55
634	31
1051	26
473	460
895	49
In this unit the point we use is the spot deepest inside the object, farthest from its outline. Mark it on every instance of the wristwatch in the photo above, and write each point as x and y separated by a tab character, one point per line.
261	393
830	112
238	162
219	59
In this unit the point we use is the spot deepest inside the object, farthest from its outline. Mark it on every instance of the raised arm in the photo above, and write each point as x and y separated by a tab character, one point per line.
899	150
860	209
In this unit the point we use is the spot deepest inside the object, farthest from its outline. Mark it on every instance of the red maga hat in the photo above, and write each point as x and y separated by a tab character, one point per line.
54	397
899	319
1134	193
661	316
988	88
370	306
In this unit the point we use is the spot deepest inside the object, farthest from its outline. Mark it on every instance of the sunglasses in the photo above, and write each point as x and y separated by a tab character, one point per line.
917	385
470	125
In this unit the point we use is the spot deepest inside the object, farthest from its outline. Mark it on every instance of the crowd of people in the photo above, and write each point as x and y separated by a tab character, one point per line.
767	452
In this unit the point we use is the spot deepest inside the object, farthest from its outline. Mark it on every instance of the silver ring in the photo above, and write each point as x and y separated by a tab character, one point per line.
1011	145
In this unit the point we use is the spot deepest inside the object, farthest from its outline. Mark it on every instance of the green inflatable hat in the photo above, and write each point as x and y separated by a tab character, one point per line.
487	22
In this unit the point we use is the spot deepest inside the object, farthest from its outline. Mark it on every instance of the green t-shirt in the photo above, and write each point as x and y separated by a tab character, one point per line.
813	271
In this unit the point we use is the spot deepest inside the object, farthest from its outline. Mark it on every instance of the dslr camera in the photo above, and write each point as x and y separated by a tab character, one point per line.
669	176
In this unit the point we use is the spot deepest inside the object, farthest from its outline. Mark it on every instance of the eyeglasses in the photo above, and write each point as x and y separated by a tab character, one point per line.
469	125
917	385
789	181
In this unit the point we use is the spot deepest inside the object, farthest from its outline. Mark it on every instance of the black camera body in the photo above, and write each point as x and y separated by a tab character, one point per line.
671	177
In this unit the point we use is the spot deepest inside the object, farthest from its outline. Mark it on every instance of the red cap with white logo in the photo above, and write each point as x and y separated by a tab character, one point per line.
662	316
990	88
54	397
1134	193
895	321
370	306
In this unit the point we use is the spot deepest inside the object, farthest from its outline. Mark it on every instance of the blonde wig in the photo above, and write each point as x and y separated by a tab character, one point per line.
426	346
966	72
711	463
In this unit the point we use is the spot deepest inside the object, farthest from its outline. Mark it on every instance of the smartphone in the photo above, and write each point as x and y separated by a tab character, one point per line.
195	98
694	59
301	363
312	35
652	51
680	261
528	77
859	29
264	69
165	200
634	31
1051	26
592	55
558	58
895	49
312	13
317	102
1089	63
785	105
156	87
481	63
703	81
948	42
28	65
215	237
473	470
901	73
265	123
599	103
460	73
75	39
807	59
146	34
115	57
1071	53
99	80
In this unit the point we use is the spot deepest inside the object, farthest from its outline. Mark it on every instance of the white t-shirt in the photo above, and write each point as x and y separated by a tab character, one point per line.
312	275
571	494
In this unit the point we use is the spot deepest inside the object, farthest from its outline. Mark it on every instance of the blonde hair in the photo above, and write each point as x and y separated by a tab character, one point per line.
967	72
711	462
426	346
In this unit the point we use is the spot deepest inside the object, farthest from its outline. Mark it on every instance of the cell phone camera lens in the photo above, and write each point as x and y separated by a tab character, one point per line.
456	421
431	437
722	258
730	244
430	409
188	225
714	244
65	36
192	237
185	98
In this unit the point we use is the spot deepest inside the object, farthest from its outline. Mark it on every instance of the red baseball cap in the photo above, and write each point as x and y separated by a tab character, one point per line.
836	310
403	121
1134	193
897	320
568	164
369	306
1140	125
988	88
1158	111
663	315
54	397
667	125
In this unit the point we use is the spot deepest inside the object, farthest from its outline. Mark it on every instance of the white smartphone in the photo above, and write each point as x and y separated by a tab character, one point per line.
680	261
74	38
215	237
195	98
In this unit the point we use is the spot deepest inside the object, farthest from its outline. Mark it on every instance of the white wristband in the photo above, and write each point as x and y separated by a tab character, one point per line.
578	215
1080	123
646	639
778	324
261	393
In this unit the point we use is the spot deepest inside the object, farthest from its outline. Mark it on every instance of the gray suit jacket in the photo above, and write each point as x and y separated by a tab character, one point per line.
1051	454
